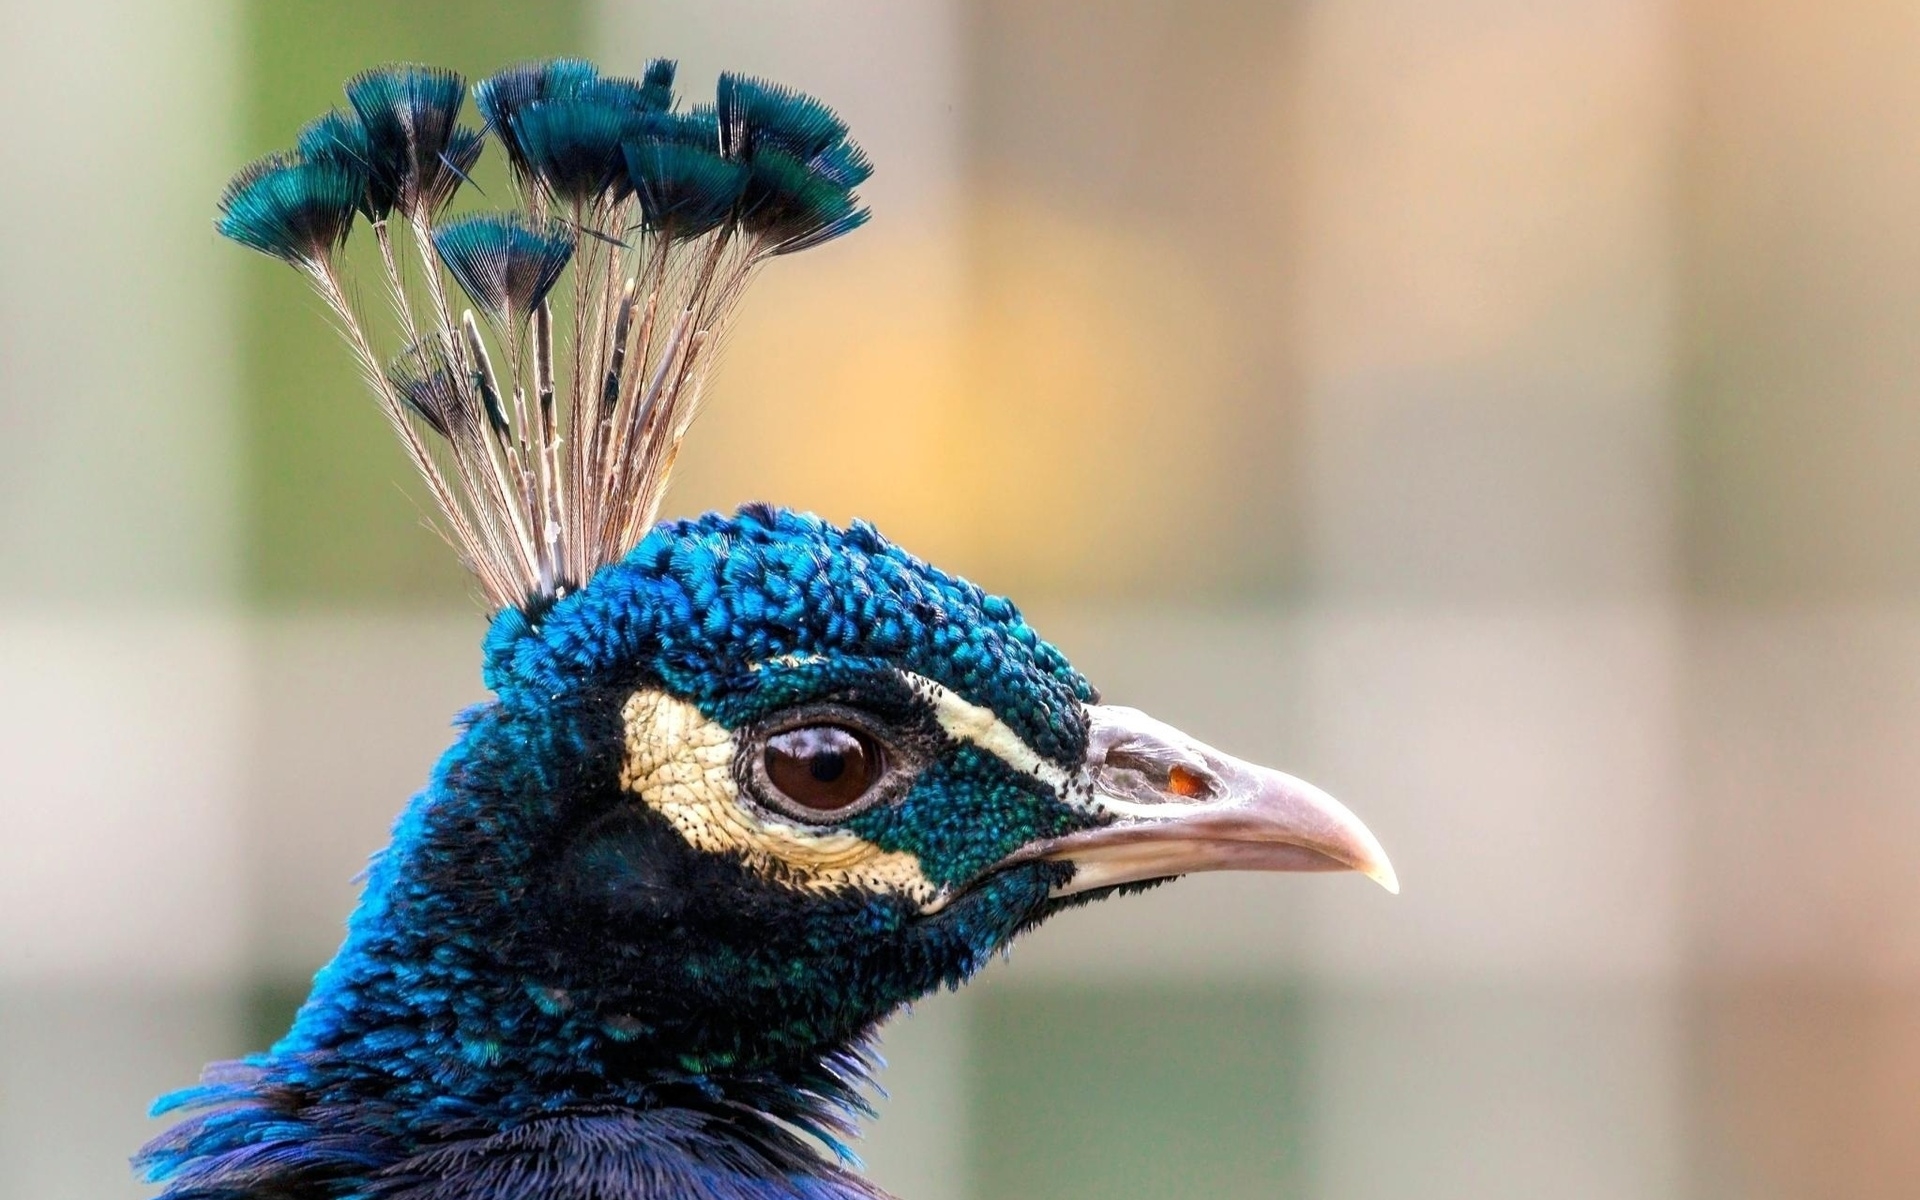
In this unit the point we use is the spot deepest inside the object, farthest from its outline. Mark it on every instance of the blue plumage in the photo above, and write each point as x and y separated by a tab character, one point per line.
814	590
748	784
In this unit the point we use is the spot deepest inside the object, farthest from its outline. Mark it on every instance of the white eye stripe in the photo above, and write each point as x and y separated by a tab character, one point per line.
964	721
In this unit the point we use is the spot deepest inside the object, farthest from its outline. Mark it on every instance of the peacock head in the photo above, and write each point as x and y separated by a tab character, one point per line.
765	780
750	783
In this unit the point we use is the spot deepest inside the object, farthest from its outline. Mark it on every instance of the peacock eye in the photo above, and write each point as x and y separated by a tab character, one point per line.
822	768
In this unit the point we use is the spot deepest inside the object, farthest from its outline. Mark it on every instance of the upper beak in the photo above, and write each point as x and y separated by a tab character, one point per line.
1179	806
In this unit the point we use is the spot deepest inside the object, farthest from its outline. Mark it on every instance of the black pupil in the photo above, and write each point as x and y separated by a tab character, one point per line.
828	766
820	767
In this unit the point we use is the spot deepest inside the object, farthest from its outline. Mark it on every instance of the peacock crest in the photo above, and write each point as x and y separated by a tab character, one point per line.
639	225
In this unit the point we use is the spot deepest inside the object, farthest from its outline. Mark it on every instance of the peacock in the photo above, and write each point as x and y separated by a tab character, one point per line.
749	783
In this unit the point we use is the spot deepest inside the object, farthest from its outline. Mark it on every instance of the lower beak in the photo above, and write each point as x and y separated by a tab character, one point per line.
1177	807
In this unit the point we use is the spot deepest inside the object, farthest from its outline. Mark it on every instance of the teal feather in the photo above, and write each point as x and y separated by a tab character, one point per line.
802	168
418	153
572	145
298	212
505	262
794	206
501	97
685	187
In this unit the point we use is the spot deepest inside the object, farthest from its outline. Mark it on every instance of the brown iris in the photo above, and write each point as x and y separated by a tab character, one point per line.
822	767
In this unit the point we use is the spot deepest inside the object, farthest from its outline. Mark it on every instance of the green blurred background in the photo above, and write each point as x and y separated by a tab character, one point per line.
1506	415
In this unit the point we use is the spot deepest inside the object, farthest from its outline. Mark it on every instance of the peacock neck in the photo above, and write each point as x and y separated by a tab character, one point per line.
420	1014
412	1074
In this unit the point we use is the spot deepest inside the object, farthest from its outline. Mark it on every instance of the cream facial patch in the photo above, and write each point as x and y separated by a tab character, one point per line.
680	763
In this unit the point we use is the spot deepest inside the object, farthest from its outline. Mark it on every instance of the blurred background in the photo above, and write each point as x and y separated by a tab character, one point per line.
1504	414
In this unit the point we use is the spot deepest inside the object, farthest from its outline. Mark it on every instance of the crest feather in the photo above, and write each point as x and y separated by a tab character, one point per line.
553	463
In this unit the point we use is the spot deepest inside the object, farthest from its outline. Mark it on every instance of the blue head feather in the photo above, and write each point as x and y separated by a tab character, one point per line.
572	143
651	93
701	601
795	206
757	114
656	84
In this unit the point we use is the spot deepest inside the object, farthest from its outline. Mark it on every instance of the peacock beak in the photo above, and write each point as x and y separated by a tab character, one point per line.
1179	807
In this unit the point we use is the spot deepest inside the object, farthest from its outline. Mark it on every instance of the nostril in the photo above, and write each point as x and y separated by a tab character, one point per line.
1187	782
1158	776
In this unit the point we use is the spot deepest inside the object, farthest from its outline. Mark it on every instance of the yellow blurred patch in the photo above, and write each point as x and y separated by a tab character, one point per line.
1040	413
